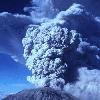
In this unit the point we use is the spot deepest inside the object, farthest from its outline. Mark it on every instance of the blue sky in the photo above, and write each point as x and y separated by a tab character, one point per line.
13	6
12	74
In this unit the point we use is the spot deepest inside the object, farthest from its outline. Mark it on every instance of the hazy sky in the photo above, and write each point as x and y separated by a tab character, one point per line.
12	74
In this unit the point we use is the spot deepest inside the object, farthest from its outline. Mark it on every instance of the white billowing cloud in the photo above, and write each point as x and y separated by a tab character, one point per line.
90	5
44	50
87	87
56	50
42	10
75	9
77	18
12	30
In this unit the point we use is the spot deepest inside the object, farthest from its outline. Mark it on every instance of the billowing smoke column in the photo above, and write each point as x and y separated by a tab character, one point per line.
45	52
65	50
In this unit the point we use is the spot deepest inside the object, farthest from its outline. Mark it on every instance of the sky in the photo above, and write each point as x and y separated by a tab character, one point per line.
12	74
13	6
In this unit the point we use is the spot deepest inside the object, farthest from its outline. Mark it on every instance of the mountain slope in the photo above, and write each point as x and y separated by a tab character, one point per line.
40	94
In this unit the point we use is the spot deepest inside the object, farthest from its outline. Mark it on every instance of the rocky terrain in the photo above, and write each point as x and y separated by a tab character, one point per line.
40	94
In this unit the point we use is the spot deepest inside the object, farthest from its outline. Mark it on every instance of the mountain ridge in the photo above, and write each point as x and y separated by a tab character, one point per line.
44	93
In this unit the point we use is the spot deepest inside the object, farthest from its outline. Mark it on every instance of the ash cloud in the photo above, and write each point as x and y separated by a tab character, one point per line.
88	85
62	48
90	5
42	10
60	51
